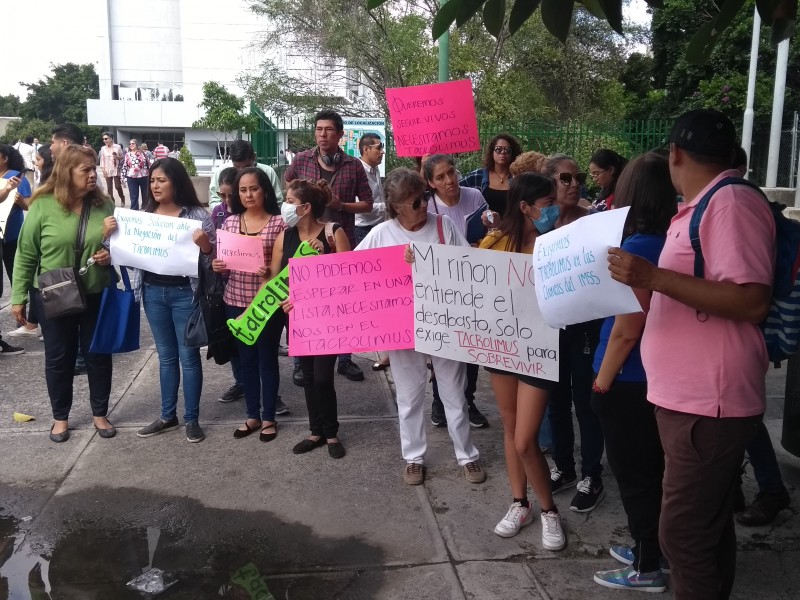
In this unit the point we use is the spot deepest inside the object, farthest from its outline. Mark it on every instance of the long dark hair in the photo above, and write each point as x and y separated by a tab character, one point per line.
646	186
47	168
270	199
488	155
185	194
527	188
608	159
14	158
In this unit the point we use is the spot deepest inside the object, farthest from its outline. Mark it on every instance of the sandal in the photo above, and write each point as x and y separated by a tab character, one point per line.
243	433
268	437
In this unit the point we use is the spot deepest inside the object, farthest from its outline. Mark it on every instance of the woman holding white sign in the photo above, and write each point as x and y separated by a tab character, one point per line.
255	213
522	399
168	301
408	222
466	207
619	396
302	209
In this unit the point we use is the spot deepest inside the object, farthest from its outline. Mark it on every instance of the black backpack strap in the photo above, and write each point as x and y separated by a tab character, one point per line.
697	215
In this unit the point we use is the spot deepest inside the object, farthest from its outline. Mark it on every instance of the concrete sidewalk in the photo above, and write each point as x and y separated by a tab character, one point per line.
80	519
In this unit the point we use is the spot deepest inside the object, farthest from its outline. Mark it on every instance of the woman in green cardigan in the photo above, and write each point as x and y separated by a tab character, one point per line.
47	242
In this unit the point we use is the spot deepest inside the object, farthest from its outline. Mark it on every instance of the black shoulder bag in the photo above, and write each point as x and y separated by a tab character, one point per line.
62	289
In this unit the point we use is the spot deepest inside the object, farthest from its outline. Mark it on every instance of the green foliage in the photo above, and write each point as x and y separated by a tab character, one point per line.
187	160
225	113
61	97
781	14
17	130
10	106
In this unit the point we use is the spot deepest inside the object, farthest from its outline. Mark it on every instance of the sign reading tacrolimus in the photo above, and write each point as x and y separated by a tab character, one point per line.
477	306
155	243
573	284
433	119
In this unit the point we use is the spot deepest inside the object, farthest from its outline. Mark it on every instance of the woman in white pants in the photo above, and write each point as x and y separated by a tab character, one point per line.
408	221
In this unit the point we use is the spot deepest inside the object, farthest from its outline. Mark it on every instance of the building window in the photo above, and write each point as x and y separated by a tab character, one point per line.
150	91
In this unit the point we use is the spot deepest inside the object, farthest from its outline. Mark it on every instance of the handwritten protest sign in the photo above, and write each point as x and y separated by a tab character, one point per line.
477	306
156	243
240	252
351	302
433	119
250	324
573	284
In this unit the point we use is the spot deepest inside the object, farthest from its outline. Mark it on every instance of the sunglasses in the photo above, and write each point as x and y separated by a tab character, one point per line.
376	146
502	149
417	202
566	178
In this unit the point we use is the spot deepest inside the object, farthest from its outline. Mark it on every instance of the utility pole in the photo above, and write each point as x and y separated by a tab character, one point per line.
781	64
444	52
749	113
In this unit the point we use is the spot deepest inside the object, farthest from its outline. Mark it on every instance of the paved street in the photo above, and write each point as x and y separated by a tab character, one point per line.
79	520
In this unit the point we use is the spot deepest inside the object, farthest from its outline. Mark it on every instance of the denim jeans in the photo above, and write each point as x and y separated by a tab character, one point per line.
258	366
167	309
765	464
135	184
577	344
62	337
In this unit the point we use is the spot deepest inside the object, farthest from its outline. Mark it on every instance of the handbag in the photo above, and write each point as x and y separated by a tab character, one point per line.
62	289
207	324
119	319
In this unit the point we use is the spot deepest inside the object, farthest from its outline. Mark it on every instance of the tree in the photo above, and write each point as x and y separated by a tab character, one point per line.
557	17
19	130
225	115
61	97
9	106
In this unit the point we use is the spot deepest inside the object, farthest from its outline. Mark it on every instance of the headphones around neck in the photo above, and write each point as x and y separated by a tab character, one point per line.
331	161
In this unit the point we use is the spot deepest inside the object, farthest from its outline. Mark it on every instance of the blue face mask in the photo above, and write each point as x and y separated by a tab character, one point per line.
547	219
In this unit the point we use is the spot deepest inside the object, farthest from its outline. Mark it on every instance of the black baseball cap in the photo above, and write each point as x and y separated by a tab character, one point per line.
706	132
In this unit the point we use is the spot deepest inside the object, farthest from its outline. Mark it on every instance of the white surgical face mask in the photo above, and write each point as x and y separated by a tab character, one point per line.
289	214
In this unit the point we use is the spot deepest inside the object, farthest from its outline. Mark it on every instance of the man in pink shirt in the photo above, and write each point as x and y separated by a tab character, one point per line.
703	351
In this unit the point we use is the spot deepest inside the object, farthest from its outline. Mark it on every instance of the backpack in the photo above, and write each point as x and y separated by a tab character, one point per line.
781	328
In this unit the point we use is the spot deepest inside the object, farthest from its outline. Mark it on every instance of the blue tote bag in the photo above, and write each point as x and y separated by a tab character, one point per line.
118	323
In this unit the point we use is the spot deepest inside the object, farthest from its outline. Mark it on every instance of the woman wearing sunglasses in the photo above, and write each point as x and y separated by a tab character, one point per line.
409	221
494	179
577	344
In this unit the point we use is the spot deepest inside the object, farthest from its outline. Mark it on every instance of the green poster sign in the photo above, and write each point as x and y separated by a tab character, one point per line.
249	326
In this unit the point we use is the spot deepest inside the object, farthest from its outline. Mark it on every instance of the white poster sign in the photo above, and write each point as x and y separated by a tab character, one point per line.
573	284
155	243
477	306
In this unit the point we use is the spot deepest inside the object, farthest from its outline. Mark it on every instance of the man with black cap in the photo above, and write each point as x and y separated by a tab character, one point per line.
703	351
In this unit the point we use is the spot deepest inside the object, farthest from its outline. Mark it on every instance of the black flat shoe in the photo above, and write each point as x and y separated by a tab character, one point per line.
59	437
379	366
106	433
268	437
336	450
308	445
243	433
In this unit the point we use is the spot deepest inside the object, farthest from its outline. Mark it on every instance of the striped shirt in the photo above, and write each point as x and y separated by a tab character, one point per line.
242	287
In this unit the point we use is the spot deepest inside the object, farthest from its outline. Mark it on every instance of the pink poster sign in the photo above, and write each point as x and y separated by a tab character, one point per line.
433	119
351	302
240	252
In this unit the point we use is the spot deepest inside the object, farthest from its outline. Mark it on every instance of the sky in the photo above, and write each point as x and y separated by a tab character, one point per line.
82	49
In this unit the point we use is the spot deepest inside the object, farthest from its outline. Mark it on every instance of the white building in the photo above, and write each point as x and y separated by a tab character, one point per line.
155	56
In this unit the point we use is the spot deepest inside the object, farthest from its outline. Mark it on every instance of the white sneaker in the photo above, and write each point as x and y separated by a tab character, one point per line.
22	331
516	518
553	537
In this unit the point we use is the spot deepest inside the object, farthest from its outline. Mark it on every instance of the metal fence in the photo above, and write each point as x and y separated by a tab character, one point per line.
579	139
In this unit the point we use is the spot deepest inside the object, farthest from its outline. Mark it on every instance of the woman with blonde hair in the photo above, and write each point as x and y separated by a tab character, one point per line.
47	242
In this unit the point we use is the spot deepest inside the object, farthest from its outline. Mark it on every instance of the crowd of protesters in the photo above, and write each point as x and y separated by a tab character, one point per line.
673	414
